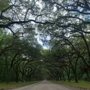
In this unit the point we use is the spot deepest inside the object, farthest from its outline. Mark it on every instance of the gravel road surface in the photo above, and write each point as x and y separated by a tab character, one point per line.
44	85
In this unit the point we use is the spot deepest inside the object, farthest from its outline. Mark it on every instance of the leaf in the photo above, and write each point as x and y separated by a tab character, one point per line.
4	4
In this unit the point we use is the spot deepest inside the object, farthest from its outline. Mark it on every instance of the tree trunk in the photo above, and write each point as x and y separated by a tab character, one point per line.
7	71
68	77
88	76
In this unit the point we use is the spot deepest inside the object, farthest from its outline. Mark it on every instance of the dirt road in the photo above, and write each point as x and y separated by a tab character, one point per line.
44	85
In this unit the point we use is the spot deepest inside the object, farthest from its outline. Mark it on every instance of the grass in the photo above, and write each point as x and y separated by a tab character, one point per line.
81	84
14	84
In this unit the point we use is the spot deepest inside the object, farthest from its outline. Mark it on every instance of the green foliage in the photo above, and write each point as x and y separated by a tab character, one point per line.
19	60
4	4
22	59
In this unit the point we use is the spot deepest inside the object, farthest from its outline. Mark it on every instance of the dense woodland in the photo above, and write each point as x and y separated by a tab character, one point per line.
65	22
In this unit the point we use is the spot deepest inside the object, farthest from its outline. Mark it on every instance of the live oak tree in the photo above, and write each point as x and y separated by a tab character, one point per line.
65	21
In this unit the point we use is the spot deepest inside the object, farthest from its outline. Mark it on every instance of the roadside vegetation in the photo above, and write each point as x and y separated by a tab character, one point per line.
14	84
81	84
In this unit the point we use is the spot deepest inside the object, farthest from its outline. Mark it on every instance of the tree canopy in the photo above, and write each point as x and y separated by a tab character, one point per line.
65	22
